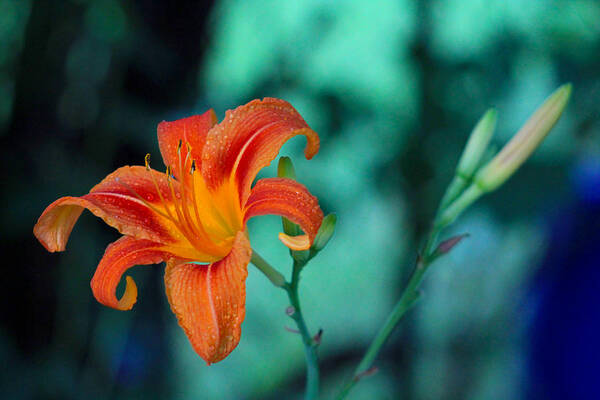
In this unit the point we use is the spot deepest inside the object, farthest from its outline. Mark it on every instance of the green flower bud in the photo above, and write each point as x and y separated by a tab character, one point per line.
529	137
325	232
477	144
511	157
285	168
475	149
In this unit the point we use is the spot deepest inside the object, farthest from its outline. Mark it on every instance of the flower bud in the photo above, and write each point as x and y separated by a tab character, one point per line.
475	149
520	147
325	232
477	144
447	245
285	168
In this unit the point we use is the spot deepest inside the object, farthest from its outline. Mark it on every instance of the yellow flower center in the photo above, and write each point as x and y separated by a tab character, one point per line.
207	219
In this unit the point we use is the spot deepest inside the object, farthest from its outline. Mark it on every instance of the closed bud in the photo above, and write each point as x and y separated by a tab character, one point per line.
285	168
447	245
477	144
529	137
476	149
325	232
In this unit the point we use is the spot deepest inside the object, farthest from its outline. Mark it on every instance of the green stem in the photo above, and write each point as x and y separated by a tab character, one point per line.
456	187
408	299
274	276
310	350
453	203
291	288
456	207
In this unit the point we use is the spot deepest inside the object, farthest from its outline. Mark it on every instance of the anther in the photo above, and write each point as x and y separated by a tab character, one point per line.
179	146
147	161
193	167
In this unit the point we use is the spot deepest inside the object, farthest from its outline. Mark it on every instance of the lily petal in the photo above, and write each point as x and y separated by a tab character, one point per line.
115	201
191	130
300	242
249	138
288	198
118	257
209	300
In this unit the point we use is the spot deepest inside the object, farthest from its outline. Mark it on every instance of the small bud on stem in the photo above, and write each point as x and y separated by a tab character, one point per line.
529	137
511	157
371	371
477	144
317	338
291	330
447	245
325	232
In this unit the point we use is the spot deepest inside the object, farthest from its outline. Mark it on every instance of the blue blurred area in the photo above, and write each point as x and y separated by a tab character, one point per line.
565	353
393	88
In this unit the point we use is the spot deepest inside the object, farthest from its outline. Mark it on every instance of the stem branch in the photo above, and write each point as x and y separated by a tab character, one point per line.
274	276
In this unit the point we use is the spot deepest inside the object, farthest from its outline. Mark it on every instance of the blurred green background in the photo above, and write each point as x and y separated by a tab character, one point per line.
393	88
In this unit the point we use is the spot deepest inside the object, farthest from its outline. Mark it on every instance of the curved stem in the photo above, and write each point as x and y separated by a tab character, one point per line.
408	299
310	350
271	273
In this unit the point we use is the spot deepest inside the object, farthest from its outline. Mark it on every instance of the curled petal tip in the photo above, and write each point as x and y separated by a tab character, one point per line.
129	296
290	199
312	144
249	138
118	258
298	243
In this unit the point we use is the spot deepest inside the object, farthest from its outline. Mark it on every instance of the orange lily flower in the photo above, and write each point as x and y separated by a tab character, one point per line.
195	213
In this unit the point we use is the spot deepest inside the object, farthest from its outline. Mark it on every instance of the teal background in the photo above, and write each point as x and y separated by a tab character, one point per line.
393	88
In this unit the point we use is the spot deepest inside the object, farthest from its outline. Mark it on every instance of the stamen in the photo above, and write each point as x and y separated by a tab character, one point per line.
182	220
214	210
187	156
196	212
176	221
132	191
162	200
173	197
184	228
195	228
